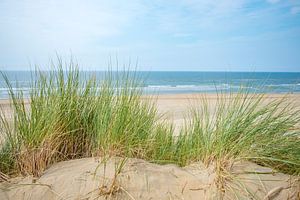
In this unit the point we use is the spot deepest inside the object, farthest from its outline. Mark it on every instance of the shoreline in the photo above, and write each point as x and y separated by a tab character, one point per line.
193	95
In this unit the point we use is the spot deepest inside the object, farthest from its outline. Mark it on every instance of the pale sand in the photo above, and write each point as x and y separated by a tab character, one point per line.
177	104
175	107
88	179
85	178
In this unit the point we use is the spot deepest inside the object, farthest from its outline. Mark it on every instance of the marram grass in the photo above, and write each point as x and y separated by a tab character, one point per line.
243	126
70	117
73	117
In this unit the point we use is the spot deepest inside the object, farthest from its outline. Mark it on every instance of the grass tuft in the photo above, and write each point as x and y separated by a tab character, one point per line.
242	126
72	116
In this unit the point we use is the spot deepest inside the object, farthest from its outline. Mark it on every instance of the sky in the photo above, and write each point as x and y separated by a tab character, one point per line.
158	35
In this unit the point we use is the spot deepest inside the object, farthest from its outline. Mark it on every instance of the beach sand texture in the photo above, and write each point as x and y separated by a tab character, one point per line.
175	107
89	179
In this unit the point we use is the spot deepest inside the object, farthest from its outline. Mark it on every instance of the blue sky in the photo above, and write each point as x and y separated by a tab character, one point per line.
196	35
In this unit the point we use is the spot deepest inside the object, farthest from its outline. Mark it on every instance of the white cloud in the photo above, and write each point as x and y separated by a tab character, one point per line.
59	24
93	28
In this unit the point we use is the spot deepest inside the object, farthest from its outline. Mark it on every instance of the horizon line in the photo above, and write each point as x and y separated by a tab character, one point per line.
95	70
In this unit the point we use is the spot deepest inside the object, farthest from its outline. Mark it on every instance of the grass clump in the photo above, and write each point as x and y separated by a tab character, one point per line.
72	116
243	126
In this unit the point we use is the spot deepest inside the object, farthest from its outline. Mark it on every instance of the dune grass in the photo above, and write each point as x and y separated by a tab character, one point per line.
238	127
72	116
243	126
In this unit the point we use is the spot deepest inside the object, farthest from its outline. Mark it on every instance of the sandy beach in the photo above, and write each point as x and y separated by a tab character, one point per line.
92	178
174	107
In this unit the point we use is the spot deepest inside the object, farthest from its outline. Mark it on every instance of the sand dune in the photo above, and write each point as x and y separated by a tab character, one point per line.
90	178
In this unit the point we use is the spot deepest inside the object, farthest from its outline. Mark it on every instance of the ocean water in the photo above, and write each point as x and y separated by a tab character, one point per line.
185	82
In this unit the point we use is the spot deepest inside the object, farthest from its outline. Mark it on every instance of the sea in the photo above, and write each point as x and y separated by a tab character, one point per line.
180	82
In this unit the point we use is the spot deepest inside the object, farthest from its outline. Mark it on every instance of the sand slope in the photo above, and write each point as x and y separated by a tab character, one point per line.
90	178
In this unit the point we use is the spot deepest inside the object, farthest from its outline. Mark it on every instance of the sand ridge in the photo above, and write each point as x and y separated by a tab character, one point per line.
88	178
